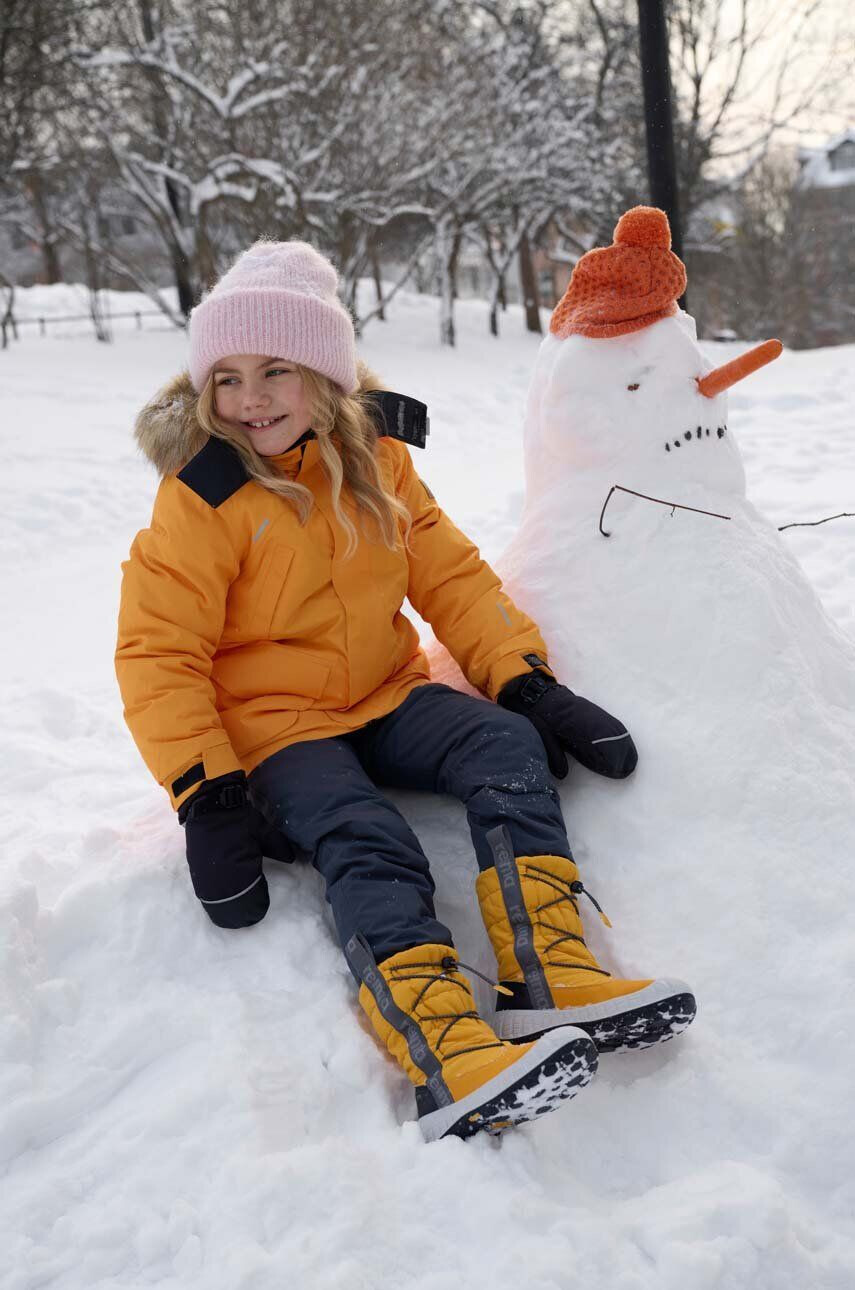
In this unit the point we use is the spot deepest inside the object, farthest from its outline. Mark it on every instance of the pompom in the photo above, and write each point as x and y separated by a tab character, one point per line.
644	226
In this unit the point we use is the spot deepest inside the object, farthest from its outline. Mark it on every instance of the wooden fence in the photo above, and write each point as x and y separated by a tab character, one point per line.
11	322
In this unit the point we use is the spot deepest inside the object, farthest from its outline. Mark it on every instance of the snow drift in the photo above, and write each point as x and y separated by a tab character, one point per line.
186	1107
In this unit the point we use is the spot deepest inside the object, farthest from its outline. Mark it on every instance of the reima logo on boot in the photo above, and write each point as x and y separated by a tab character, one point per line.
417	1044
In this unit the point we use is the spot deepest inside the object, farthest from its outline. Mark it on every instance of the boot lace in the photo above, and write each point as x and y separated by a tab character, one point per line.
567	891
431	975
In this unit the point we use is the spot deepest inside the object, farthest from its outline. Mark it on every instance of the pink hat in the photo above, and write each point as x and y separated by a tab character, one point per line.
279	299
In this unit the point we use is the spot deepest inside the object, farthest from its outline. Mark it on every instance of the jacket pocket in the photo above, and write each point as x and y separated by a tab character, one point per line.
269	675
254	597
250	726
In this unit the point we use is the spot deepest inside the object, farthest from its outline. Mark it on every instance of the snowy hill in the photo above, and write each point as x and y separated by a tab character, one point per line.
187	1107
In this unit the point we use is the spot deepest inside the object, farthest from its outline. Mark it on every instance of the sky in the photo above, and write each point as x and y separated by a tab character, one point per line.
822	61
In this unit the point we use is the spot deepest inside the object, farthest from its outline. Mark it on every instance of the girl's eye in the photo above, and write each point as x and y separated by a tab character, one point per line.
227	380
278	371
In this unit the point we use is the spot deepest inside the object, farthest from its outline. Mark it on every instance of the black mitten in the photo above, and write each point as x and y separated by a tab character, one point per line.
565	721
225	836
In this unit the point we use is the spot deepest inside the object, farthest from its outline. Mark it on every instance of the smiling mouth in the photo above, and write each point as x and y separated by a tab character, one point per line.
702	432
262	423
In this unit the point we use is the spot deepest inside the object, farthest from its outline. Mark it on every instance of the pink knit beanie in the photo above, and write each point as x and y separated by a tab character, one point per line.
277	299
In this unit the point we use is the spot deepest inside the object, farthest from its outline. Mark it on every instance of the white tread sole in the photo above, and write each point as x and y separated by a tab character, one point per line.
555	1068
658	1012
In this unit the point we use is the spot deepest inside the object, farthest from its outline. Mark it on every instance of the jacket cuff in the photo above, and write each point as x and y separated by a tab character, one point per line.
506	669
219	760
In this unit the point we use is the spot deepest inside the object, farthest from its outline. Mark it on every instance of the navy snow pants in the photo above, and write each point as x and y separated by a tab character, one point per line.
324	794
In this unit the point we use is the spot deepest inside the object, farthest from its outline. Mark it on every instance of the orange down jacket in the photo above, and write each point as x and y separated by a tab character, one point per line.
242	631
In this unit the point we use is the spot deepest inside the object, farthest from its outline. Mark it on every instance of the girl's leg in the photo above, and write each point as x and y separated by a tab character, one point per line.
491	759
418	1001
377	876
529	887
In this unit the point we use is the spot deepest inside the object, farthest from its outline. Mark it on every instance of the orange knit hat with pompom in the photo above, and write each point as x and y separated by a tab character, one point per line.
621	288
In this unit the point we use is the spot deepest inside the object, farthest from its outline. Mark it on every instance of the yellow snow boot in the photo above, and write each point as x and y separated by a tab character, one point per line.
530	906
466	1077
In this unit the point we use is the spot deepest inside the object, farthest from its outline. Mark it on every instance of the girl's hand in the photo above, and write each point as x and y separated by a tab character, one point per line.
226	838
565	721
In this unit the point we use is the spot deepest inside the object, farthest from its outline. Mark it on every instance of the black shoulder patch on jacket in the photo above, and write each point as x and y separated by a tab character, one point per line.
215	472
398	416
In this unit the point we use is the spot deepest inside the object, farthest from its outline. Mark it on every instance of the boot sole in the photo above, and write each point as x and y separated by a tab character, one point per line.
559	1064
659	1012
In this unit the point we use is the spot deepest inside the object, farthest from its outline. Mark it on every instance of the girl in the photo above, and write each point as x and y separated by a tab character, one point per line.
272	685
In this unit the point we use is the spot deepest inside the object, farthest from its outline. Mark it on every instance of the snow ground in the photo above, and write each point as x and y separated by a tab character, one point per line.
186	1107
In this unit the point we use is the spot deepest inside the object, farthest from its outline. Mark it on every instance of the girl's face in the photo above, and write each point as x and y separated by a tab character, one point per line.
264	398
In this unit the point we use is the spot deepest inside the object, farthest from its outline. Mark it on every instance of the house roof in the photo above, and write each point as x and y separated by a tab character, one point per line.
817	171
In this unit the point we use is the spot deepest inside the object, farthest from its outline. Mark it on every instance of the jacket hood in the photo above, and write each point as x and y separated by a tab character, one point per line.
167	428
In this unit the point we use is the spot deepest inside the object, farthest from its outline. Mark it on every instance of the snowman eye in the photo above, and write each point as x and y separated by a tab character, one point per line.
633	387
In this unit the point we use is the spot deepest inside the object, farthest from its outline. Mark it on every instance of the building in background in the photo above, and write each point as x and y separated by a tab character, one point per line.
824	220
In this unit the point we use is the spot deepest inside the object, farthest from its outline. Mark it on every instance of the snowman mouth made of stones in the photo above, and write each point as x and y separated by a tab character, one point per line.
700	433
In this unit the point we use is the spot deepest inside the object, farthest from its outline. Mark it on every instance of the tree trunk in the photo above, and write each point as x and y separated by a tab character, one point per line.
495	300
181	269
494	314
47	241
446	312
378	281
7	320
447	249
204	253
183	280
50	255
102	332
456	244
352	255
528	282
498	283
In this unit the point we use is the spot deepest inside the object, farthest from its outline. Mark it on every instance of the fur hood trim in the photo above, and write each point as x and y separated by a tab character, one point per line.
167	429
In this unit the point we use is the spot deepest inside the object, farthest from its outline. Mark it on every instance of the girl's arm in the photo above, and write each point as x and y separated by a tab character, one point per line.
171	618
498	647
460	595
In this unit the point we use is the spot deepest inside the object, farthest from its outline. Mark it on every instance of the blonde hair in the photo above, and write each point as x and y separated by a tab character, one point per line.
347	434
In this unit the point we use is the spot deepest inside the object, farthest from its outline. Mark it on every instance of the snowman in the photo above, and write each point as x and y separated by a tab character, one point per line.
644	405
692	620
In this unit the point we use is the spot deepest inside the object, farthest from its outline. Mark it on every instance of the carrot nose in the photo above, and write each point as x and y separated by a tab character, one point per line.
721	378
